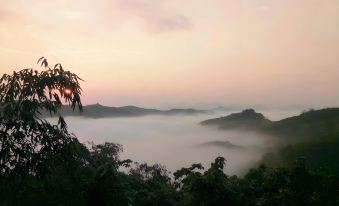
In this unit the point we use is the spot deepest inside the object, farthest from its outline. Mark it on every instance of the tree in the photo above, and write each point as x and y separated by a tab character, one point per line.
151	185
25	138
212	187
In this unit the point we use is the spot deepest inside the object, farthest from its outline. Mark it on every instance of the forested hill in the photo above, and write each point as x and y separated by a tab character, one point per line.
310	124
313	135
100	111
247	119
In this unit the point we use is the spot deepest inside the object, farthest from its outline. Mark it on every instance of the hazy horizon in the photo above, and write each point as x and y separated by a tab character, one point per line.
218	106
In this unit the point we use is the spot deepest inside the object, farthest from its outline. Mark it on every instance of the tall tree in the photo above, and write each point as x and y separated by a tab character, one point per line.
26	138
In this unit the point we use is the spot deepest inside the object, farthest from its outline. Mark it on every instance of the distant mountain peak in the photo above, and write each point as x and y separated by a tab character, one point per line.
247	118
248	111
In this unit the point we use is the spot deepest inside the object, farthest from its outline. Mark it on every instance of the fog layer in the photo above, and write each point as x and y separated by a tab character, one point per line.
177	141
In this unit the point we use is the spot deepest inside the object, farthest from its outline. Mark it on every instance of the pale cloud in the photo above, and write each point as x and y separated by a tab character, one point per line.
155	14
100	15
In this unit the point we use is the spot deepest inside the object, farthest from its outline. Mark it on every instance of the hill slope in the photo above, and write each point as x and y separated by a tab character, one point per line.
311	124
247	119
308	125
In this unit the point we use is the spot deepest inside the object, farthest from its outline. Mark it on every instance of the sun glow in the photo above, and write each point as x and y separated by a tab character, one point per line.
68	91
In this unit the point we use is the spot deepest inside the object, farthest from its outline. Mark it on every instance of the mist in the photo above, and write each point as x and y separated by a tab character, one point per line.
177	141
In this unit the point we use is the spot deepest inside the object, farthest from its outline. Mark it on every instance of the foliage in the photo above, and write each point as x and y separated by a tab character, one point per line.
25	138
319	153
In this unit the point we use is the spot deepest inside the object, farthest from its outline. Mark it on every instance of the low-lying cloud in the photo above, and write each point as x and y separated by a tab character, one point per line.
174	141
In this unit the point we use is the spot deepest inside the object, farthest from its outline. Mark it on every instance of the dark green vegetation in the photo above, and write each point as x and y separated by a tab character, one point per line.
313	124
99	111
319	153
43	164
313	134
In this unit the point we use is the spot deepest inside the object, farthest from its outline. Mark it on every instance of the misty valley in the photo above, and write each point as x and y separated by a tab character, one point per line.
175	140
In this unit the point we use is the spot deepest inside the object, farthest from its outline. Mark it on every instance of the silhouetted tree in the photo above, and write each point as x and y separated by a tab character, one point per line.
25	138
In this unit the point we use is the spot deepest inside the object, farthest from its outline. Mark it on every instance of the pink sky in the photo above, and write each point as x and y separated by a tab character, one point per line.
158	52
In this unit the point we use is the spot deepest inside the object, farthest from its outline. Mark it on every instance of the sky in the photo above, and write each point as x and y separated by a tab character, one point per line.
158	53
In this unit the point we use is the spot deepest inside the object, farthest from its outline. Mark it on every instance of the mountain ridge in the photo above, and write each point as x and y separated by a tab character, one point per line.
99	111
